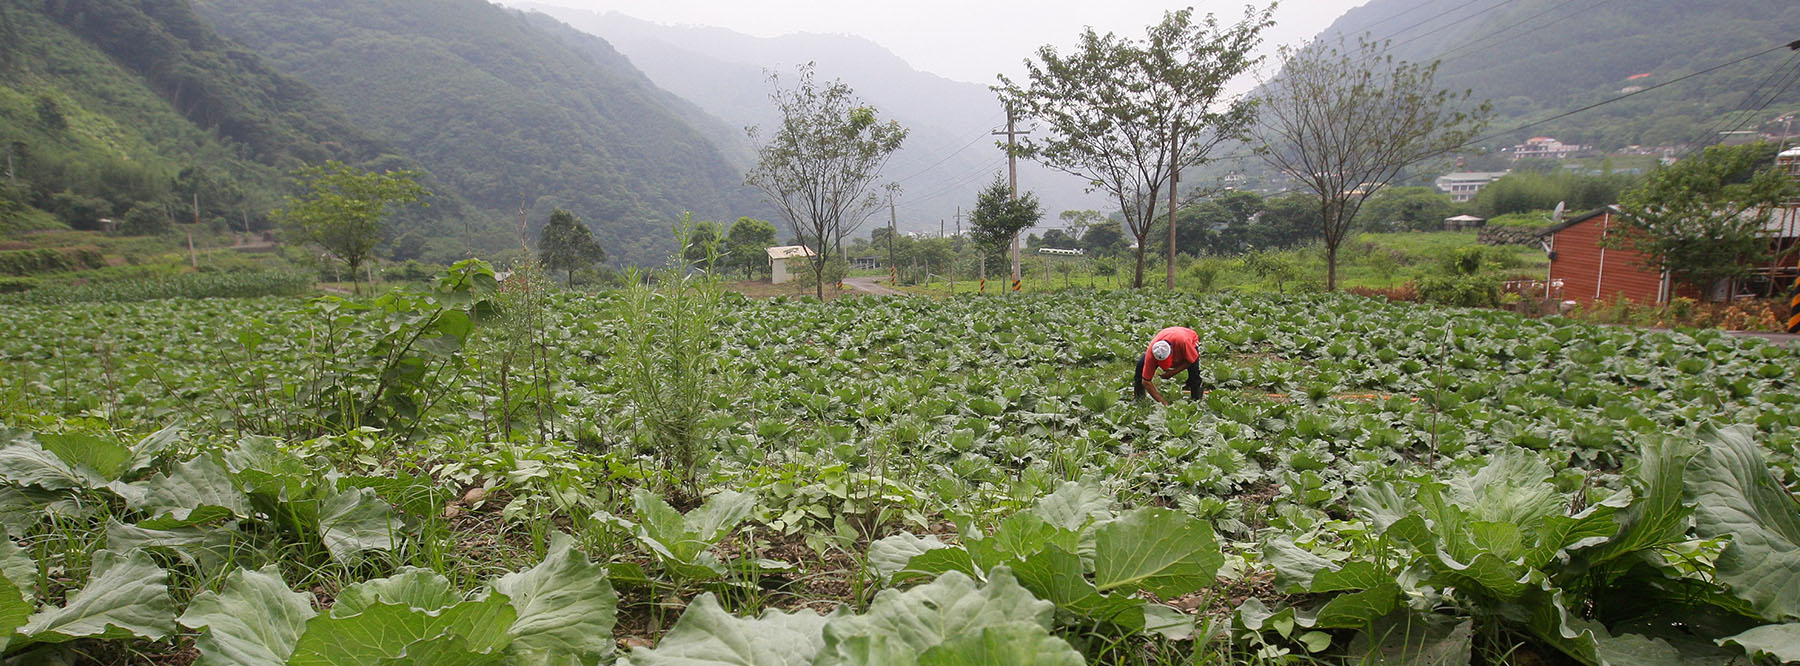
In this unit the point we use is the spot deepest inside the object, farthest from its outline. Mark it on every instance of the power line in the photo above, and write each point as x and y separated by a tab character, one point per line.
946	158
1492	135
958	183
1725	119
1447	26
1497	33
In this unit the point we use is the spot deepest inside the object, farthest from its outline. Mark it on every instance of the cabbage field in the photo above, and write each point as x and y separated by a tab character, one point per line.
486	474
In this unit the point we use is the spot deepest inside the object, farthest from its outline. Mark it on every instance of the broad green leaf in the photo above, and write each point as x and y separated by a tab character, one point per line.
565	607
1163	551
26	463
938	561
253	620
1733	493
147	450
1416	639
719	514
17	567
355	521
416	496
1381	505
889	555
1074	506
1781	641
1294	566
126	595
15	608
388	631
1016	643
1054	575
1655	514
1356	610
415	588
189	487
706	635
915	620
1512	488
103	459
1020	535
207	548
446	649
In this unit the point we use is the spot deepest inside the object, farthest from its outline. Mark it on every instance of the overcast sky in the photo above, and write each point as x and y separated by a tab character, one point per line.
965	40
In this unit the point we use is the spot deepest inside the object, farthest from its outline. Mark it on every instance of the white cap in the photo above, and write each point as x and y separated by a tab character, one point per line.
1160	349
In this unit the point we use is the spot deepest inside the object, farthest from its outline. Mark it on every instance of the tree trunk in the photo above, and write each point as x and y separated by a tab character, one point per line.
1331	267
1137	276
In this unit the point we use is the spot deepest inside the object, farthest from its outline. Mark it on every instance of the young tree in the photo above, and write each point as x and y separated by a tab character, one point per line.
1128	115
998	217
821	164
1703	218
746	245
1344	122
705	244
343	209
566	244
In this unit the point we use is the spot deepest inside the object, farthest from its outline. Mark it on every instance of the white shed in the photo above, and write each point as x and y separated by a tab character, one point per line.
782	264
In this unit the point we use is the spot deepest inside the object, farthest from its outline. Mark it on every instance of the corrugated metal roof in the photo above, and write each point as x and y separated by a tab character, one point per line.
789	251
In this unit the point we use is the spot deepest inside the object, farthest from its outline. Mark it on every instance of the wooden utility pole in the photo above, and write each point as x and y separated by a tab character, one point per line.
1012	180
959	221
196	207
893	230
1174	182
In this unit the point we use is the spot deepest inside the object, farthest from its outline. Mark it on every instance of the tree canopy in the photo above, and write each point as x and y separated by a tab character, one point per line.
344	207
998	217
1343	121
821	165
746	244
567	244
1127	115
1703	218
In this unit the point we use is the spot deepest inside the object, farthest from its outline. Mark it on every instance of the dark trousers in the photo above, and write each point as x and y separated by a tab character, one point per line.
1194	386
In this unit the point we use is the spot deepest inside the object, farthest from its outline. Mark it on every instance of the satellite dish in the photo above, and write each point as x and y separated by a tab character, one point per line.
1557	216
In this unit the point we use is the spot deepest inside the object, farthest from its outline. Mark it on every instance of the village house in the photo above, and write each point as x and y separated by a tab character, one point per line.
782	262
1462	185
1543	147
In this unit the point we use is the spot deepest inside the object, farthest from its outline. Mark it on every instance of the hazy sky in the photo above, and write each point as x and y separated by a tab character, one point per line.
959	39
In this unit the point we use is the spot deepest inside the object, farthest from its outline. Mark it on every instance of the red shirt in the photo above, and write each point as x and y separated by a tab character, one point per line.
1184	349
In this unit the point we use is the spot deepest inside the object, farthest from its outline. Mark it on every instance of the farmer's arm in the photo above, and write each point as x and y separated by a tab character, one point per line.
1150	384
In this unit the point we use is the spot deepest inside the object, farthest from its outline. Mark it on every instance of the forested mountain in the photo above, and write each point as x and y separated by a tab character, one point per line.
947	157
109	107
1538	58
502	113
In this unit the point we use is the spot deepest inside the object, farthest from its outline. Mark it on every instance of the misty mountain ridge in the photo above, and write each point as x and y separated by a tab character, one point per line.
947	158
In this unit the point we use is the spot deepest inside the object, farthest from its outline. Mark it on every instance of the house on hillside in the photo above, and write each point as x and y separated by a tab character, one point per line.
787	261
1462	185
1592	273
1544	148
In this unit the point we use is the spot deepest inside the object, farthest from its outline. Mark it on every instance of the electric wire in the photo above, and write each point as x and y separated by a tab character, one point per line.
984	134
1565	114
1725	121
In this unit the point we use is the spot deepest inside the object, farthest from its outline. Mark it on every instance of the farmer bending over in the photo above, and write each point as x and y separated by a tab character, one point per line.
1174	349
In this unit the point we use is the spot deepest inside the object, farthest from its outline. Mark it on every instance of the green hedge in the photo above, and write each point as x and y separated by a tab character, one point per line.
46	260
188	285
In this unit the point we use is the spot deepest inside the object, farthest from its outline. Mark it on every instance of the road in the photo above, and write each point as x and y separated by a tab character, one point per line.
872	286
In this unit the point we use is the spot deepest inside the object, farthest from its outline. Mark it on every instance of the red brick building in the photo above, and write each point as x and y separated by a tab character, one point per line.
1590	272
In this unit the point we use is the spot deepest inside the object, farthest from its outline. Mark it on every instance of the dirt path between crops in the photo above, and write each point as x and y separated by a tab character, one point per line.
869	285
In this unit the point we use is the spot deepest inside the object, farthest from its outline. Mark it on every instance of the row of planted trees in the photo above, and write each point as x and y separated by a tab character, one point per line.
1128	116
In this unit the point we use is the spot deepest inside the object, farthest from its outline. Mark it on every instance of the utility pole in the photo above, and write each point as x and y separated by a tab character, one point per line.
1012	180
196	206
959	221
893	230
1174	183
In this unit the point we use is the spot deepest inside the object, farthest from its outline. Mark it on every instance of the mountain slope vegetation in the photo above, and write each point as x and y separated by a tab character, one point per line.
106	106
948	155
509	118
1537	58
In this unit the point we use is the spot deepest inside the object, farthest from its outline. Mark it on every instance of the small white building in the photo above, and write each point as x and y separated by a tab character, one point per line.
782	264
1462	185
